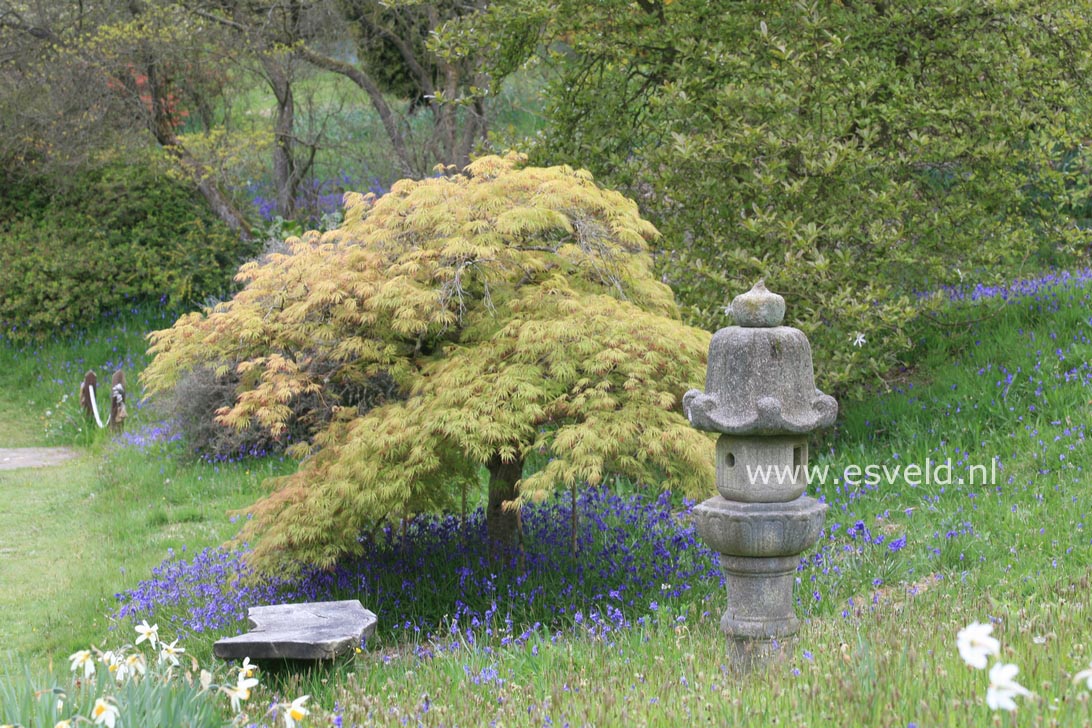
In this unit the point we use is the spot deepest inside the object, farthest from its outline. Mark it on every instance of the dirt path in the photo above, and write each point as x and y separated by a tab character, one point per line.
34	457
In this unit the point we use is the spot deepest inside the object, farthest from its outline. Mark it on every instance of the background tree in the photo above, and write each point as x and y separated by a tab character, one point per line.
854	154
401	48
517	312
293	154
452	86
87	82
100	205
79	82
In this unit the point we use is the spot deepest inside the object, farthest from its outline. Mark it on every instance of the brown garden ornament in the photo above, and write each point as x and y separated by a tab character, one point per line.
89	404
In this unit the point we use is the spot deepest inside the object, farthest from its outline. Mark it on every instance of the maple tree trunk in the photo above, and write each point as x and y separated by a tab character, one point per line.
502	524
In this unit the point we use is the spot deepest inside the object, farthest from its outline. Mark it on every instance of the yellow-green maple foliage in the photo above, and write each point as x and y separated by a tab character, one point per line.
516	309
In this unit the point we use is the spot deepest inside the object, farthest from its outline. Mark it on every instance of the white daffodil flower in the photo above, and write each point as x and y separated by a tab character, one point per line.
135	665
1084	675
295	712
147	633
235	695
63	724
240	692
105	713
247	669
84	659
976	645
115	664
1003	687
170	652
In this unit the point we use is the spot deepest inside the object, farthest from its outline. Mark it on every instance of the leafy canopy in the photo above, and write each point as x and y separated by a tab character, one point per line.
853	154
517	311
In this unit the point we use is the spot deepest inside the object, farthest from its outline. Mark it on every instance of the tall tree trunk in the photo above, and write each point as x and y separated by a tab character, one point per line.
286	177
502	524
220	203
475	128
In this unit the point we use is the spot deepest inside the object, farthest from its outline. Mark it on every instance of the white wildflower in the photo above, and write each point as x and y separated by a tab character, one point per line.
975	644
1003	687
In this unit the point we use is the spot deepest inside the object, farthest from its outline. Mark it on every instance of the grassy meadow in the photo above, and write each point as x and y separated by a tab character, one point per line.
626	631
72	535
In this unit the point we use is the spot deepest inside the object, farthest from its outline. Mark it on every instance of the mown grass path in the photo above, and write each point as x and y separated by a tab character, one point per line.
54	538
47	543
74	534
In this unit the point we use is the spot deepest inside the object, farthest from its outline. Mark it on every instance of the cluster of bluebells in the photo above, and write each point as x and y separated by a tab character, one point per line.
1020	289
245	451
314	199
149	436
440	577
213	590
438	582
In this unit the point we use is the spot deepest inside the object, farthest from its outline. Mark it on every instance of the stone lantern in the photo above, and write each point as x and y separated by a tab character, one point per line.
761	396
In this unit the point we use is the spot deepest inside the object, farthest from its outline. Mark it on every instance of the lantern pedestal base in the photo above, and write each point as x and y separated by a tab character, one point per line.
759	546
750	655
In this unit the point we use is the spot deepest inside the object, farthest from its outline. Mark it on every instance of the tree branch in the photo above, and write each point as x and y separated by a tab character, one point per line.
369	86
424	81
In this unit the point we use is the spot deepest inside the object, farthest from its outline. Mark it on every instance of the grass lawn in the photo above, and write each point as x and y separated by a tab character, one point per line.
1005	385
73	535
47	553
12	433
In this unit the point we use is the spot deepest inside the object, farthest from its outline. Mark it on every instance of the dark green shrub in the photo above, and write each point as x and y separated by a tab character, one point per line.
852	154
110	237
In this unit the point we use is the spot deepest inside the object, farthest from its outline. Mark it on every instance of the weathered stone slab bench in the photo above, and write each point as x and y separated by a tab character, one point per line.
310	631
